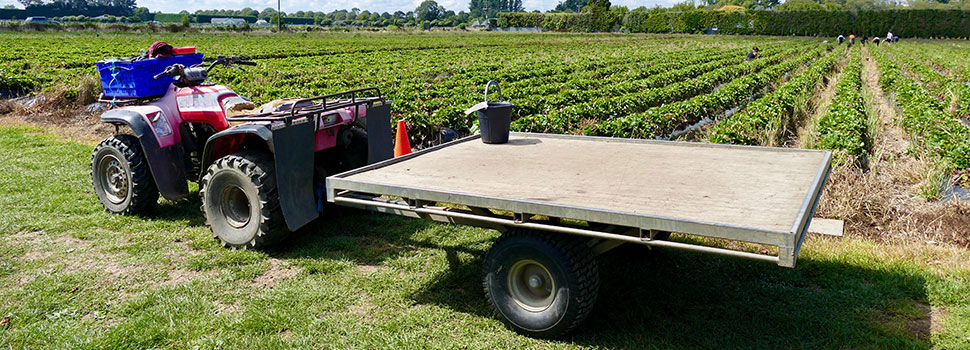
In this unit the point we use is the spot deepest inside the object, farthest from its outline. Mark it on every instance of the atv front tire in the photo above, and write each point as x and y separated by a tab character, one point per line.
240	201
121	176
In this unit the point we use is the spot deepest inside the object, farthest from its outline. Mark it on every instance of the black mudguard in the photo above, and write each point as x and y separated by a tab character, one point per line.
292	148
380	140
166	164
294	171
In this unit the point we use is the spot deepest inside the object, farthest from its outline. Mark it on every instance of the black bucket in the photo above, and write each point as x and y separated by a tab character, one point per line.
494	118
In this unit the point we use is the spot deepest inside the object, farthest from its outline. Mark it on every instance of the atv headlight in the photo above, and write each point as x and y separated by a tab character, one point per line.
160	124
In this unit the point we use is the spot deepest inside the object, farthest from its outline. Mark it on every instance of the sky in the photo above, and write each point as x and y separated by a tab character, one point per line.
170	6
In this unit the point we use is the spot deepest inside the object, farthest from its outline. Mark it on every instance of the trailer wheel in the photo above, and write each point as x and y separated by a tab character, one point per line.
121	176
540	285
240	201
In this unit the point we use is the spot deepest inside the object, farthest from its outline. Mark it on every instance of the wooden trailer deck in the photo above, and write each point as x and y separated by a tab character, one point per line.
754	194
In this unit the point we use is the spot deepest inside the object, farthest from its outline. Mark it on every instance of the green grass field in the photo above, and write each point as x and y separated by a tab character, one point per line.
73	276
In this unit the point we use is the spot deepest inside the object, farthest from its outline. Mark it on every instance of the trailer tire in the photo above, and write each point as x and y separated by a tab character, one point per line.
540	285
121	176
240	201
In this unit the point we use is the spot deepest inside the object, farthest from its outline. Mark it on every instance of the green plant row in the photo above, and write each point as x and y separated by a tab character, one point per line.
443	101
923	117
574	92
946	87
844	127
589	82
760	122
571	118
665	120
535	98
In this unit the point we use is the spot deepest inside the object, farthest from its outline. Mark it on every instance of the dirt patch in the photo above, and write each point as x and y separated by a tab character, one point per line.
182	276
931	322
363	310
921	322
276	273
367	269
883	203
226	309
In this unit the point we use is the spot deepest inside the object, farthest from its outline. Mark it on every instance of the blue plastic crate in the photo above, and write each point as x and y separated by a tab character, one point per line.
134	79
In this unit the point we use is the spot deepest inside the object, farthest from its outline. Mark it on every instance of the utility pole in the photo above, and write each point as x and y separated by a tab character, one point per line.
279	15
487	24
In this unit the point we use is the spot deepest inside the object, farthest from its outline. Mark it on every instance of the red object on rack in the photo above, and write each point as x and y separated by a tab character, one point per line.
185	50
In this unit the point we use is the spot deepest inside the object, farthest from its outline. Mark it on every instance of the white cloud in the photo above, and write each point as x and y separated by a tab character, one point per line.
330	5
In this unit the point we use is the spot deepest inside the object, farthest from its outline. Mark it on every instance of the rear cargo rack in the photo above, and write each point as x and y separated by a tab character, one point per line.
309	108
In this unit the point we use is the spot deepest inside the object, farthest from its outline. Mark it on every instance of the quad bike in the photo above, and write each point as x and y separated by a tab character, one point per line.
260	172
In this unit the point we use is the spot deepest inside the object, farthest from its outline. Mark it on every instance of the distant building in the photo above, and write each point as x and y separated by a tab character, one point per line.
229	21
262	22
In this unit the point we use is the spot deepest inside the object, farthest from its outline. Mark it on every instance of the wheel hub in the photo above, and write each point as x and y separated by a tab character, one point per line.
235	206
531	285
114	179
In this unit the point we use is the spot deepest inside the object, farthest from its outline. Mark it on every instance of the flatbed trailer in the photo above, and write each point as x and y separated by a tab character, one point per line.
561	200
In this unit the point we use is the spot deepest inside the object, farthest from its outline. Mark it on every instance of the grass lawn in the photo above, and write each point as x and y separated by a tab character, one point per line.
73	276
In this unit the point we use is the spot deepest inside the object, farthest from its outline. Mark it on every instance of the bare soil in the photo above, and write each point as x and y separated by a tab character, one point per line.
276	273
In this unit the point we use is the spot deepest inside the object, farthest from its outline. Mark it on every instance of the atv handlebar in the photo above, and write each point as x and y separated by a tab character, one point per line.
173	70
178	70
231	61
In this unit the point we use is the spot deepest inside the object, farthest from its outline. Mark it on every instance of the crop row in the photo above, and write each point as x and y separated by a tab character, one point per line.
431	89
570	118
665	120
844	127
552	97
923	116
763	121
947	88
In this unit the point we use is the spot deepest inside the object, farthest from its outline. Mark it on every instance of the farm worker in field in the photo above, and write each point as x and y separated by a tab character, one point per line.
889	37
851	40
875	41
840	39
864	39
753	54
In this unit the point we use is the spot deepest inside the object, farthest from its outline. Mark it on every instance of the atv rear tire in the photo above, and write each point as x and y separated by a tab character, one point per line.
355	154
240	201
121	176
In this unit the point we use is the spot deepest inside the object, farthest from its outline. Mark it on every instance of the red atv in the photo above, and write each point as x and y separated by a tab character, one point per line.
261	172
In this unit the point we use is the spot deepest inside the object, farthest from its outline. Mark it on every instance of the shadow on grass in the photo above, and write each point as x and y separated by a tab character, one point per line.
680	300
661	298
186	210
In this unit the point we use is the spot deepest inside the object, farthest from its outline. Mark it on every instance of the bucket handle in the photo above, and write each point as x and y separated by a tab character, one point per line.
490	83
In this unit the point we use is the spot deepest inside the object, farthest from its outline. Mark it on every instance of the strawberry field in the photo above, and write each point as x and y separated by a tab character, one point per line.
641	86
895	115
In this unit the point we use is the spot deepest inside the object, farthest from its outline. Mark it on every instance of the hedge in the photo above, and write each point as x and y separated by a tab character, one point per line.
905	23
176	18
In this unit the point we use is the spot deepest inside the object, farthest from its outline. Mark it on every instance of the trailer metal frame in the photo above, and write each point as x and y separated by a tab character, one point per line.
612	226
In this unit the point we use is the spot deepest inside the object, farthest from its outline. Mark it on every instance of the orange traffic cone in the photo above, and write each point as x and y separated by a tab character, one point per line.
402	145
